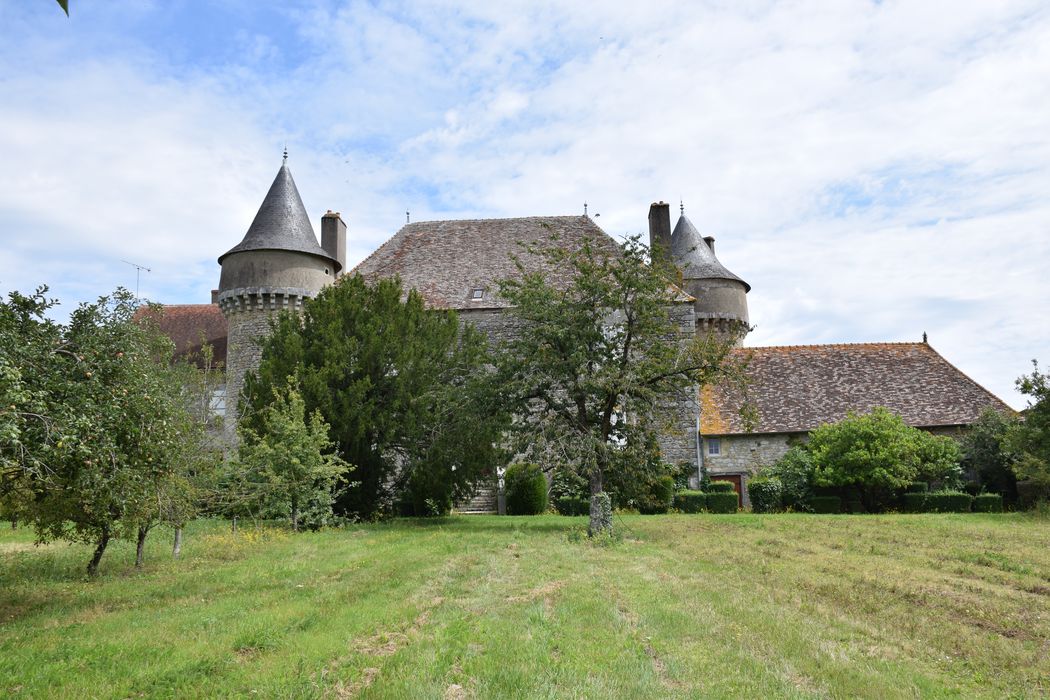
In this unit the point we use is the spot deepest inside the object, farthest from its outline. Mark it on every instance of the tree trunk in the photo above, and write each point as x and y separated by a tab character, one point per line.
140	546
601	507
235	524
103	540
295	519
14	523
176	549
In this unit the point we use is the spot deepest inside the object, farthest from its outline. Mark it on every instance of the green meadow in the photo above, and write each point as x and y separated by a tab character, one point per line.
770	606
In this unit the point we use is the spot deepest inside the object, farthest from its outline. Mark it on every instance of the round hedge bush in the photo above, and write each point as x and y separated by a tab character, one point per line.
721	487
526	489
722	502
690	501
988	503
766	493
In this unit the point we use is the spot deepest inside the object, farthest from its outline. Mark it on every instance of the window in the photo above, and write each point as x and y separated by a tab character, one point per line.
714	446
478	293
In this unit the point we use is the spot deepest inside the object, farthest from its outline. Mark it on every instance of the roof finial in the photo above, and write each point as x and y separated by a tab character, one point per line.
924	337
585	208
406	216
681	207
285	153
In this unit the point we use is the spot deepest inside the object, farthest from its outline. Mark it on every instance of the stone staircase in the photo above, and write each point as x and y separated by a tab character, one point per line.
483	502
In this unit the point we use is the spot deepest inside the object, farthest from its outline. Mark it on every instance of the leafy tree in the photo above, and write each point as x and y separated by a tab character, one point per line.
96	422
1030	438
877	454
289	462
986	455
595	361
402	388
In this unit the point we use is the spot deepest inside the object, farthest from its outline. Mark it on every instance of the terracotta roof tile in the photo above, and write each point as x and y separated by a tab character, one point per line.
186	324
797	388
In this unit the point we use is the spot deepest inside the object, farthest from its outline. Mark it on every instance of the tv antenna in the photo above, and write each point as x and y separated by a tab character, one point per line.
138	273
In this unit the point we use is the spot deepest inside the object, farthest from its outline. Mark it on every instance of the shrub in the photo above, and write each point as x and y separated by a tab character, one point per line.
1030	493
572	505
973	488
722	502
526	489
825	504
721	487
766	493
988	503
795	471
917	487
690	501
914	502
948	502
855	507
658	500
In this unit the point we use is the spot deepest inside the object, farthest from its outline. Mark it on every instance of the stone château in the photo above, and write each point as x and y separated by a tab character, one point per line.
457	265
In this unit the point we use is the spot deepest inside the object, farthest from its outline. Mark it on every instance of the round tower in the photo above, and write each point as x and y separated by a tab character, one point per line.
721	296
276	266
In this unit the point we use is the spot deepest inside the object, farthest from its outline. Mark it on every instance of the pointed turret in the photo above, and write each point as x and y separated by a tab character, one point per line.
721	296
282	223
276	266
695	255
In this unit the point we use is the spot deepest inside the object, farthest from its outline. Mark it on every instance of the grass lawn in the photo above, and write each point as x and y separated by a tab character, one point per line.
489	607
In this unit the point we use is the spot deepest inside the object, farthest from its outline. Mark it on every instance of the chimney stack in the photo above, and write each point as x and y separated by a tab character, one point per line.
710	241
333	238
660	230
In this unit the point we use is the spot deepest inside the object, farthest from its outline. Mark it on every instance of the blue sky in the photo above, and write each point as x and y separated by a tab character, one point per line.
873	170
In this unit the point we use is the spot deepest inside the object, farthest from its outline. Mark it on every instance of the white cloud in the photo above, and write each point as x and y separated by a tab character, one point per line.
874	170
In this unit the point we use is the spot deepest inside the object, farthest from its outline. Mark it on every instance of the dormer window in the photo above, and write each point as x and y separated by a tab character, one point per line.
477	293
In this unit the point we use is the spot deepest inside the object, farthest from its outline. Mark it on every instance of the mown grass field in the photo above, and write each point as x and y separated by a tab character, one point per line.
488	607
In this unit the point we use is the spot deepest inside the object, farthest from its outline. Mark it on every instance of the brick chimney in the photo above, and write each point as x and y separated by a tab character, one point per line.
660	230
333	238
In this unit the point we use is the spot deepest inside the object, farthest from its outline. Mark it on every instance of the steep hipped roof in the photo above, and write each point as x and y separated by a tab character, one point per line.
694	256
797	388
188	324
282	223
446	261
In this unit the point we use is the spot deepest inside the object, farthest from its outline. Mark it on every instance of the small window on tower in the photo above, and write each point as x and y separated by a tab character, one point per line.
478	293
714	446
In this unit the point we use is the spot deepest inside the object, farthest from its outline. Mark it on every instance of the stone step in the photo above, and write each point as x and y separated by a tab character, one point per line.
483	502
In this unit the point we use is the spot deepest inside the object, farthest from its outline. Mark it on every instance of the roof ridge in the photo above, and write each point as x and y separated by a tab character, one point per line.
501	218
840	345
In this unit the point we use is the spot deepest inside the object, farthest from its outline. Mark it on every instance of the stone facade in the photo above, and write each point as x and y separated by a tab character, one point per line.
248	318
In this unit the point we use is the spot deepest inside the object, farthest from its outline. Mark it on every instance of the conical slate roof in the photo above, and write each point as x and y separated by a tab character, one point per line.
691	253
282	223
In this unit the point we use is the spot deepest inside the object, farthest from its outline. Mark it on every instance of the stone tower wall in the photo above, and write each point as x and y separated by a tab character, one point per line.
248	316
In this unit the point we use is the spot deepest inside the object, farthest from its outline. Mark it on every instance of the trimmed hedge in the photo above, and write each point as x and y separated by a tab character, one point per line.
914	503
572	505
917	487
526	489
825	504
721	487
690	501
973	488
988	503
948	502
766	494
722	502
659	498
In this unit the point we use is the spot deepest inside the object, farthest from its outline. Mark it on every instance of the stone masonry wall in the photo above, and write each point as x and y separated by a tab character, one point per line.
744	454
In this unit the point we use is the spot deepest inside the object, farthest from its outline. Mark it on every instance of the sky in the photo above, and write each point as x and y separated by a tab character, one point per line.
875	170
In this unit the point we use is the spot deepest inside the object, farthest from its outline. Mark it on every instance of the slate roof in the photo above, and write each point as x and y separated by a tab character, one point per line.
186	323
695	257
282	223
446	261
797	388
